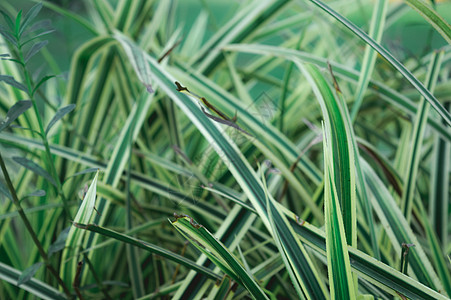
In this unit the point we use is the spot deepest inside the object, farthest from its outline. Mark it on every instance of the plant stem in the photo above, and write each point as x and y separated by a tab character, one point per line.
30	229
43	134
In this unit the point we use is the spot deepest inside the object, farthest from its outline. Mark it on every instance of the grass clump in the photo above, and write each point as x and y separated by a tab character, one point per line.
262	149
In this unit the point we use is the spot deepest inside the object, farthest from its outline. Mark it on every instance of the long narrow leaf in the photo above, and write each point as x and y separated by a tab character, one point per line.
391	59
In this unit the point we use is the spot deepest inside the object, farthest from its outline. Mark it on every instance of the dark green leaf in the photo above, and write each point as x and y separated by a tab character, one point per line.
29	17
28	273
60	242
7	35
4	55
35	49
30	165
59	114
41	82
43	24
17	26
14	112
11	81
13	60
8	20
37	36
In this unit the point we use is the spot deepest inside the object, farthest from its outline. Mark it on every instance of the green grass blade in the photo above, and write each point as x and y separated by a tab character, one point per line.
398	229
266	136
439	197
33	286
432	17
243	173
338	266
200	237
251	17
133	260
341	143
391	59
414	156
75	238
437	254
387	93
149	247
369	57
369	268
71	15
230	233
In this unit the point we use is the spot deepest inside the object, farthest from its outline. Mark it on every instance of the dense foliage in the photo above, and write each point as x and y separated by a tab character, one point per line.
225	149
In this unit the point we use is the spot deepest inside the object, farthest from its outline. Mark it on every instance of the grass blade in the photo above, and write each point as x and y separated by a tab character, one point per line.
343	156
414	156
387	93
432	17
391	59
200	237
339	268
33	286
369	58
76	237
149	247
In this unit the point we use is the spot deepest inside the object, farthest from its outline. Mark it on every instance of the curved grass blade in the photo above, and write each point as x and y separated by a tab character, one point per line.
138	61
203	240
414	156
231	231
149	247
341	143
250	18
369	58
390	95
432	17
390	58
72	16
398	229
33	286
300	263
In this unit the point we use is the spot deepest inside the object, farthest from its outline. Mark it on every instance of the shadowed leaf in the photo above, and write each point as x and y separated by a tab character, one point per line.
32	166
14	112
59	114
30	16
28	273
35	49
11	81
